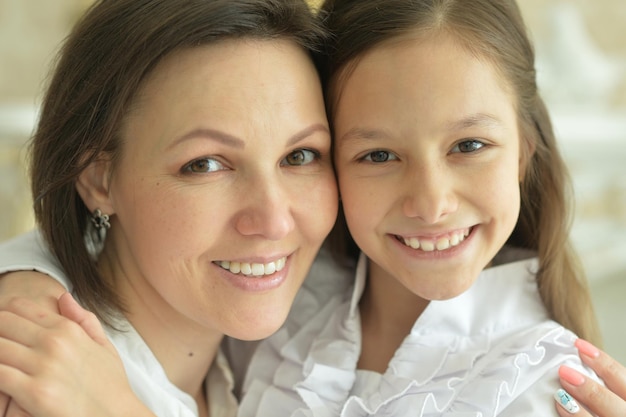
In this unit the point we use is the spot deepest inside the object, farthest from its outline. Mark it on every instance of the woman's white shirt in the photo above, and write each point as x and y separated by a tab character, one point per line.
145	374
492	351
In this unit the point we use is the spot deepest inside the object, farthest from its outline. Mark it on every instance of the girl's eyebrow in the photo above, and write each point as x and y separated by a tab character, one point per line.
475	120
472	120
363	134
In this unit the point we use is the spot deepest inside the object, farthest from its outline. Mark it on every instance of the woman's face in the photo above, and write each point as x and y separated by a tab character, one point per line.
428	163
225	188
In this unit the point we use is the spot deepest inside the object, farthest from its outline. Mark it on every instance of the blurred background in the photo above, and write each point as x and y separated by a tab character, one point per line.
581	51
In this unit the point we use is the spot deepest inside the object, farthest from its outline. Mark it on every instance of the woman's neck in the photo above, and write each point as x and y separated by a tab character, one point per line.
184	348
388	312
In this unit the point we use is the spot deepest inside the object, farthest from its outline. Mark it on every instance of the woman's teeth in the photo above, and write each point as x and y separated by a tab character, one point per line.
253	269
442	243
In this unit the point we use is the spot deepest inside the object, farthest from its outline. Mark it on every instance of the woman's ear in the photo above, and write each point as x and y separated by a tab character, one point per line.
93	185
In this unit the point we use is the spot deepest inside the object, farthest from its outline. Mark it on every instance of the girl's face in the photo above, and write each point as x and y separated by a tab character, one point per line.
225	190
428	162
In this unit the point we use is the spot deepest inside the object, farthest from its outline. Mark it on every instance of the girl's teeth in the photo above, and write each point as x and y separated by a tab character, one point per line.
427	246
443	243
253	269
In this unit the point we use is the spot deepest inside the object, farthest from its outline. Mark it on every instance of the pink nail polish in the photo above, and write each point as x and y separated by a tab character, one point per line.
571	376
587	348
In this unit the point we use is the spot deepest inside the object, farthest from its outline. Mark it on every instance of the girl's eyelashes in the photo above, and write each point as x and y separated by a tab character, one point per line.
202	166
468	146
301	157
378	156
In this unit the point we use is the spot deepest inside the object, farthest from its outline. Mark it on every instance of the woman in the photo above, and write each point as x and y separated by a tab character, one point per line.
186	141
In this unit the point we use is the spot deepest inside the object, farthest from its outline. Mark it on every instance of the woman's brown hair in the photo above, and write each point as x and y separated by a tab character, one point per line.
492	30
99	70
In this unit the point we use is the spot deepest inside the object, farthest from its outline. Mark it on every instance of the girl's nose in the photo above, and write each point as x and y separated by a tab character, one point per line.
429	193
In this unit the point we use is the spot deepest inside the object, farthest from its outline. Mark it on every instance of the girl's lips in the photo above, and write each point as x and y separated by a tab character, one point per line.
436	243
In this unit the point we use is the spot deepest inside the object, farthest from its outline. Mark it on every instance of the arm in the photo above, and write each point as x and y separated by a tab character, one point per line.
609	401
58	365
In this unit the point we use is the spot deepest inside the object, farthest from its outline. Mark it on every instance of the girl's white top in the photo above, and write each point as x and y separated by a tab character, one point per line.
491	351
146	375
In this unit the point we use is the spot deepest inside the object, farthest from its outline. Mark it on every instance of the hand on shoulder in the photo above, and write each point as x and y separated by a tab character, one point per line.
593	398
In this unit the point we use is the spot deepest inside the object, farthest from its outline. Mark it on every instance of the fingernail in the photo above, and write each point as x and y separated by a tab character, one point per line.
566	401
587	348
571	376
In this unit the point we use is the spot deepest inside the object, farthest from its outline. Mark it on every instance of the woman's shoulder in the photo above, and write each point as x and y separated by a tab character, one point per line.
29	252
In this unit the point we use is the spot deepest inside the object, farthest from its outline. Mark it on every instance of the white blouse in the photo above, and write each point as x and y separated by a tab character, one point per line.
491	351
145	374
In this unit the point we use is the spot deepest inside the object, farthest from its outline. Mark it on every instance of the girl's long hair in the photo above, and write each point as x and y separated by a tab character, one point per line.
492	30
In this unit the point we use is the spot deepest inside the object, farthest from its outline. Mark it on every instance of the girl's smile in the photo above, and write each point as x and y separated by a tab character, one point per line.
435	242
428	163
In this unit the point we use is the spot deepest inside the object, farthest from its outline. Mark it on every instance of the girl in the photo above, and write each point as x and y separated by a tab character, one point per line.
194	134
453	188
415	355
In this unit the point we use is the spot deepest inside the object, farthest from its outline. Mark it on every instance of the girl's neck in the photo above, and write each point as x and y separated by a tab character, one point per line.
388	312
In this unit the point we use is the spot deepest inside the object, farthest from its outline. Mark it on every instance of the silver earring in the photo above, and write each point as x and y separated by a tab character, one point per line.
99	220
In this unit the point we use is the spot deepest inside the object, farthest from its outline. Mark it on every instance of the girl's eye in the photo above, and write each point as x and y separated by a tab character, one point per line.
468	146
203	165
300	157
380	156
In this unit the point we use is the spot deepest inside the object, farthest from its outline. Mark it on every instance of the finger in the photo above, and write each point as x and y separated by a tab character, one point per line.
70	309
612	372
16	355
32	311
15	384
566	405
15	410
19	329
4	404
595	397
32	285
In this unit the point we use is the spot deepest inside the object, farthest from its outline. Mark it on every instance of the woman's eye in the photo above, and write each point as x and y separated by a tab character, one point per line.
300	157
203	165
379	156
468	146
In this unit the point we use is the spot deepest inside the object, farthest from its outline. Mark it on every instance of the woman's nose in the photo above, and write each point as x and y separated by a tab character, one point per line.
267	211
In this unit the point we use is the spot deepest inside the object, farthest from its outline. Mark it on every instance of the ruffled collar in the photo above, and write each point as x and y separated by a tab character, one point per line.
438	360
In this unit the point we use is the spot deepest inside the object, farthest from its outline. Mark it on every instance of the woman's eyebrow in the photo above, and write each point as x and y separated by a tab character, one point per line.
212	134
306	132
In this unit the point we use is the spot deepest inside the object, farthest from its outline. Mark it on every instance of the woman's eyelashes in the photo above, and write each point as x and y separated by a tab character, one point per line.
202	165
301	157
207	165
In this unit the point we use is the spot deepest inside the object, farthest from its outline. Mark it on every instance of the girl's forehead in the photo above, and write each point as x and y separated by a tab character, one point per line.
415	51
